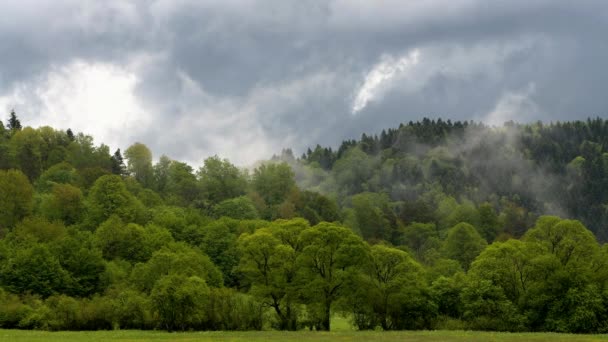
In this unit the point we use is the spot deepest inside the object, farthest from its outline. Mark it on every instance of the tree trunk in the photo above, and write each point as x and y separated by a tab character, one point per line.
325	323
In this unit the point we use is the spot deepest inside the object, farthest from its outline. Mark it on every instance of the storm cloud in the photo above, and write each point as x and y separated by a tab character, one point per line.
244	79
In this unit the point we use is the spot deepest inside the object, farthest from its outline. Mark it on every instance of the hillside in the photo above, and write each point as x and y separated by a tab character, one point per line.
435	224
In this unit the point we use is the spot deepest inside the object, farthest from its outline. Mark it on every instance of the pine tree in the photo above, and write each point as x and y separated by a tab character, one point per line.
118	164
13	122
70	134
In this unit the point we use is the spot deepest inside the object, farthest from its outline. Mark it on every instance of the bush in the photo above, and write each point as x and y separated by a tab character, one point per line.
231	310
12	310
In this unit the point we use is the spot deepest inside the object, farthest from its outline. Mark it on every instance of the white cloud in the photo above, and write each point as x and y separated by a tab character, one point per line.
95	98
244	129
517	106
415	70
380	78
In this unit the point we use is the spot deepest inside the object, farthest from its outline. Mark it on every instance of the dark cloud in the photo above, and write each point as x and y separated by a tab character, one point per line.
246	78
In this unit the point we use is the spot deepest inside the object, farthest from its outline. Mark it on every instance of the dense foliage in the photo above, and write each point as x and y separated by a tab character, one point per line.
432	225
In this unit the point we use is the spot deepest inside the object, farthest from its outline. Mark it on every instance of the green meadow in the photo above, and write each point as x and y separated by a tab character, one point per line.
300	336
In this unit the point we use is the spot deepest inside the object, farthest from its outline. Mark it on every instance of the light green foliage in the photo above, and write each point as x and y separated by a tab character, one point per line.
241	208
63	173
328	261
39	230
83	263
139	165
446	294
268	263
108	197
82	154
183	223
353	170
176	258
508	265
87	250
463	244
25	150
130	241
389	293
220	180
450	213
373	216
147	197
487	308
130	309
182	187
218	241
33	269
180	301
65	203
316	208
160	172
273	182
420	238
16	194
488	222
117	239
569	240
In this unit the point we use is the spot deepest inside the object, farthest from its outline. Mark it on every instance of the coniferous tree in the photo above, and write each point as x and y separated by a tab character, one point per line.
13	123
70	134
118	164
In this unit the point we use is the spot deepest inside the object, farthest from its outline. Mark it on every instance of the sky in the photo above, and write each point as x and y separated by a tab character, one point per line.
244	79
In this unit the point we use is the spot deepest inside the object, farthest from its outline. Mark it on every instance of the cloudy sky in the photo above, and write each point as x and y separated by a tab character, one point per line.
243	79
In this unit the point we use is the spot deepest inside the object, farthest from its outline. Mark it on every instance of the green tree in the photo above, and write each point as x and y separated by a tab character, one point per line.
241	208
109	196
25	148
39	230
487	308
83	155
488	222
353	171
178	258
317	208
139	165
508	265
269	264
65	203
328	262
273	182
420	238
220	180
568	240
13	122
373	216
16	195
118	164
182	187
463	244
218	241
116	239
180	301
33	269
389	281
83	263
61	173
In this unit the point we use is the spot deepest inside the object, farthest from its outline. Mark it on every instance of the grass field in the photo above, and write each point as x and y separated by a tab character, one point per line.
301	336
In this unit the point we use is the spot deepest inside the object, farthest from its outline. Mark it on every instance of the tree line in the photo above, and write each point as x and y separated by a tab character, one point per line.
400	231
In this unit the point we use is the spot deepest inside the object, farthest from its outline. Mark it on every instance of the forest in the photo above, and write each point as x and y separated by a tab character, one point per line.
431	225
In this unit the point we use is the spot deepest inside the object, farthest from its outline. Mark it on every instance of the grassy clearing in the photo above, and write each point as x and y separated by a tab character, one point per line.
300	336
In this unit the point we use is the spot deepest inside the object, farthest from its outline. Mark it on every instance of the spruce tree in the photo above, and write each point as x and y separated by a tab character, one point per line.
13	122
118	164
70	134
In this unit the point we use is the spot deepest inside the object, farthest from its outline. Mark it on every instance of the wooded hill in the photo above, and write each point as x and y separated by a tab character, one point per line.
433	225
